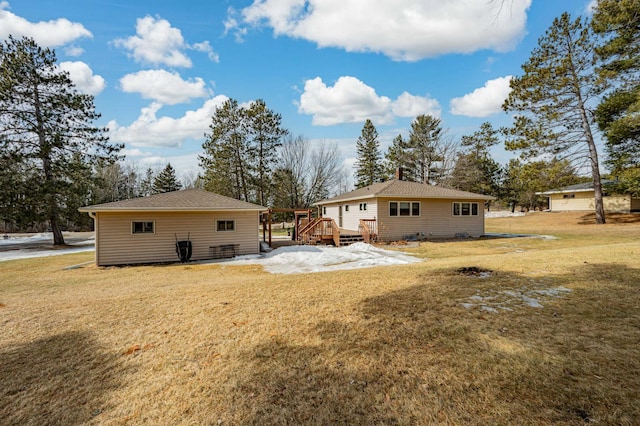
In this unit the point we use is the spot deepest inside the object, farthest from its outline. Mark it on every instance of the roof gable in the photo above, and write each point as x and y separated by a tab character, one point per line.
185	200
403	189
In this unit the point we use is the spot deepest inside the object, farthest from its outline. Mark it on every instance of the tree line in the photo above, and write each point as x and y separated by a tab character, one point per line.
54	159
580	82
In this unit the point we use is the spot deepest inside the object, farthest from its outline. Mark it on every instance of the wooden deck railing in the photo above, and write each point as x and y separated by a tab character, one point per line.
306	228
335	233
368	228
319	229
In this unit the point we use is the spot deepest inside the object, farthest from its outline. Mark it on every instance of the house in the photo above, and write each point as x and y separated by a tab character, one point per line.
581	197
397	209
145	230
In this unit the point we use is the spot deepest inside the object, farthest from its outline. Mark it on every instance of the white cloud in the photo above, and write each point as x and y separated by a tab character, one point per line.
163	86
73	51
50	33
83	77
186	166
484	101
153	161
408	105
149	130
157	42
134	152
350	100
231	24
406	30
205	47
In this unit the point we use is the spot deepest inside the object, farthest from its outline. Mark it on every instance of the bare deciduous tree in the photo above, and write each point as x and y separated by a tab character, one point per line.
306	173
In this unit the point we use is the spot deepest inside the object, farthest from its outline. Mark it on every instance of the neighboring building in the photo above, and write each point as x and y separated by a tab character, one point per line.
581	198
145	230
401	209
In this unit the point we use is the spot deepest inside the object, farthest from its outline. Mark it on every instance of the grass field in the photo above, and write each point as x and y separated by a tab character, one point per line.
533	331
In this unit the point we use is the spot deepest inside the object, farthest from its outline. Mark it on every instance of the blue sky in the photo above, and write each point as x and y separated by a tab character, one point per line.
158	69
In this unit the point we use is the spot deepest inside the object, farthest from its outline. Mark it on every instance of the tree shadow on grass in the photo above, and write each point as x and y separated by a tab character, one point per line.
416	356
62	379
611	218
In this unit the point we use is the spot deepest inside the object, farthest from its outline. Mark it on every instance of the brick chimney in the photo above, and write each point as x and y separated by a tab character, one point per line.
399	173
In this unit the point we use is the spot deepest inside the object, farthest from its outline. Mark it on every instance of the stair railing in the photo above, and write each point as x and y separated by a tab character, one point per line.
317	229
368	228
335	231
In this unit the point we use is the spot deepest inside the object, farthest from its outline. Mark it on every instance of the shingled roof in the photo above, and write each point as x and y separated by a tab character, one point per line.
581	187
402	189
185	200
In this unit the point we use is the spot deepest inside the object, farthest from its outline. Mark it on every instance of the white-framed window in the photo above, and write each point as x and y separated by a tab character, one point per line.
143	227
225	225
404	208
569	196
324	210
363	206
346	207
465	209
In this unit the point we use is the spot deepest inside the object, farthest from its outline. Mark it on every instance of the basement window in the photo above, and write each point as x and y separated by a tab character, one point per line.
142	227
225	225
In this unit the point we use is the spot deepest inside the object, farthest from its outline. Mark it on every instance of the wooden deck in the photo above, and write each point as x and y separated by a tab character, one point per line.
326	231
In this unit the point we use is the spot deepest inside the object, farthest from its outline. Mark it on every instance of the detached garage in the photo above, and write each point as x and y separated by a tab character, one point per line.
145	230
581	197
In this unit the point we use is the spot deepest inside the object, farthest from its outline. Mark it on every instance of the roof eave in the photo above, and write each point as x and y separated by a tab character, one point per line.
566	191
167	209
401	197
332	201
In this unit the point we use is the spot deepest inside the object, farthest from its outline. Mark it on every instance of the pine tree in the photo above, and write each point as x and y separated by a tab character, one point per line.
146	184
396	157
551	100
227	156
166	181
425	149
475	170
522	181
618	22
265	133
369	168
47	128
241	151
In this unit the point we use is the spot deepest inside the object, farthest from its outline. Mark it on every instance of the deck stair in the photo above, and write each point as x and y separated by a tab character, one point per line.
326	231
348	239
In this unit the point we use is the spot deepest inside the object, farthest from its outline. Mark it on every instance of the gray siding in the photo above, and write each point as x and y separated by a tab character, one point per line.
116	245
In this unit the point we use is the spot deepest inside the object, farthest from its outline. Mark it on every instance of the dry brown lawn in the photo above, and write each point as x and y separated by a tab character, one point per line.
417	344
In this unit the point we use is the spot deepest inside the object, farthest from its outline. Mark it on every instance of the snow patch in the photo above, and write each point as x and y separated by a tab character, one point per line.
31	253
502	214
304	259
22	238
506	299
